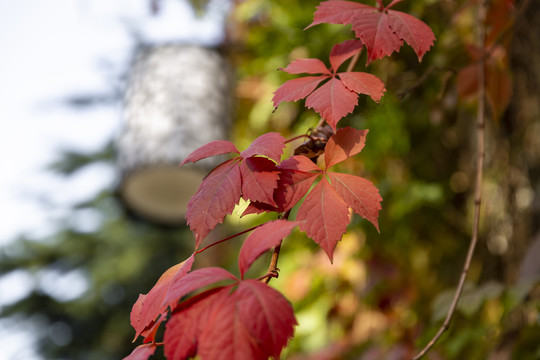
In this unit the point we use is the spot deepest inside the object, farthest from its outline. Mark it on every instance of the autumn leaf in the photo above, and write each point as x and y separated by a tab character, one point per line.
195	280
259	179
213	148
251	175
216	197
149	307
359	194
344	144
270	144
324	214
338	96
297	174
175	283
187	322
262	239
142	352
250	322
382	30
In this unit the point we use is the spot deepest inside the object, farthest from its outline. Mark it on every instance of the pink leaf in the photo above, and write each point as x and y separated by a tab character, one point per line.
216	197
187	322
259	179
332	101
270	144
324	216
309	66
345	143
415	32
299	163
363	83
343	51
338	12
148	307
193	281
254	323
374	30
359	194
257	207
297	175
142	352
262	239
296	89
380	29
213	148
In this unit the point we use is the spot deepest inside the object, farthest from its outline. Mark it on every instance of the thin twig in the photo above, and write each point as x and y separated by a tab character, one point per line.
296	138
227	238
480	122
499	39
272	269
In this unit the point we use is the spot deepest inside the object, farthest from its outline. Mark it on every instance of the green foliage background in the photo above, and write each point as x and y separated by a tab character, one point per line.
386	292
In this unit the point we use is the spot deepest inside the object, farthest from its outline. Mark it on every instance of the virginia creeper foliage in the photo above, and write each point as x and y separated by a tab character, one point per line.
336	97
214	314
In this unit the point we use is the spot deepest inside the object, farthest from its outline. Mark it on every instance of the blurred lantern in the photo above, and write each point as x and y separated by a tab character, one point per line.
178	98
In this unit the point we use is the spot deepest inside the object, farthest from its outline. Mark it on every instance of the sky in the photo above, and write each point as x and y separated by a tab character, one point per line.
53	50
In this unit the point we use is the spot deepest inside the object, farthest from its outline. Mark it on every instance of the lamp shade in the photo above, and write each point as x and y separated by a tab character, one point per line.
177	98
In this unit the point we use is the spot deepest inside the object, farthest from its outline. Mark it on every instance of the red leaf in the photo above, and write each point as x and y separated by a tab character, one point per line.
292	186
309	66
380	29
216	197
332	101
324	215
345	143
257	207
295	179
254	323
213	148
142	352
259	179
193	281
363	83
298	163
337	97
188	320
338	12
148	307
296	89
270	144
343	51
359	194
374	30
415	32
262	239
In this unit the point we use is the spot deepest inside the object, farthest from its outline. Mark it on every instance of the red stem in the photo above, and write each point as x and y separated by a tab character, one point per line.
272	269
296	138
480	134
227	238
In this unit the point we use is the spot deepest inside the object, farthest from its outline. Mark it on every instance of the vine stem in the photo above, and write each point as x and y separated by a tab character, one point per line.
296	138
273	269
480	135
227	238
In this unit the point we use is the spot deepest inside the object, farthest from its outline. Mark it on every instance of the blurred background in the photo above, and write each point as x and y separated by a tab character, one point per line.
94	101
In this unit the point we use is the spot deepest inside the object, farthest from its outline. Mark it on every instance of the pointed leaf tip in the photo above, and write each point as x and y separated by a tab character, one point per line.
346	142
142	352
213	148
